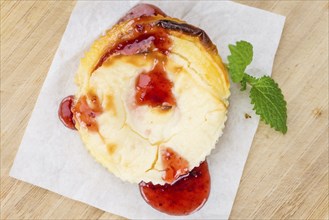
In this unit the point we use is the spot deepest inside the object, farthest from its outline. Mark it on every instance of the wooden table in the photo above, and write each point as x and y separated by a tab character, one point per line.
286	176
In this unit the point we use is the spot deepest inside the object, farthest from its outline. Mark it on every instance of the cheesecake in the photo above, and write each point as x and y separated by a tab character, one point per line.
152	98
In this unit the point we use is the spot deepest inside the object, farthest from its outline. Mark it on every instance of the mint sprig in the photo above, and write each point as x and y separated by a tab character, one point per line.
265	94
240	58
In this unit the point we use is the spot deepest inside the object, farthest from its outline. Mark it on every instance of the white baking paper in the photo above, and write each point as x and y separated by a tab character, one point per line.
53	157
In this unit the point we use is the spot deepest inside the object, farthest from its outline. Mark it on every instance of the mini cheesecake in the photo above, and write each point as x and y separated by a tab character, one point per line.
152	98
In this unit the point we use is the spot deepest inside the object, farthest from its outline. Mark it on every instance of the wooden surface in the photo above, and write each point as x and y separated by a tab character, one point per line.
286	176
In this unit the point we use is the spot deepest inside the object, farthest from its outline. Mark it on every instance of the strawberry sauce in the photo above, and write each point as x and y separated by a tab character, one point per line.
142	10
145	38
154	88
64	112
174	164
85	113
187	195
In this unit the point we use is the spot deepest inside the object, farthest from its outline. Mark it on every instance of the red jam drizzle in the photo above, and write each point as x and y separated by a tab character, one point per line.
146	38
175	165
185	196
64	112
141	43
154	88
141	10
85	113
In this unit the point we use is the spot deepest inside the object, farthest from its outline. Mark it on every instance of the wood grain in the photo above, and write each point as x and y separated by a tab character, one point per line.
286	176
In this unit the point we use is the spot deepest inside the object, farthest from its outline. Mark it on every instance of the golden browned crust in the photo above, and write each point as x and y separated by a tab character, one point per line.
123	31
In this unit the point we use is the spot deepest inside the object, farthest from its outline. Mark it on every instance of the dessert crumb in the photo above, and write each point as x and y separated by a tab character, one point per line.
246	116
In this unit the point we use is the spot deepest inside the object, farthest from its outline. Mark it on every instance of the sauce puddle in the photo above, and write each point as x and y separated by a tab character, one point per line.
65	113
187	195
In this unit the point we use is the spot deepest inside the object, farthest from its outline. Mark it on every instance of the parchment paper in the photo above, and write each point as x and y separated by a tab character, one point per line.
53	157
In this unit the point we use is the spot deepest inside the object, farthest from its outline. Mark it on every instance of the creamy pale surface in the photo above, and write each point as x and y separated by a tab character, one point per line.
131	138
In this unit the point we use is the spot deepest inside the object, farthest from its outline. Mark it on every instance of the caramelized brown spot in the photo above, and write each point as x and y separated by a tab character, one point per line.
154	88
178	69
85	113
189	30
185	196
111	148
110	106
174	165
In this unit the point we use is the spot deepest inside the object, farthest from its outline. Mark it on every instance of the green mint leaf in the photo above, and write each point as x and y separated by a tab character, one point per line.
268	101
240	58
